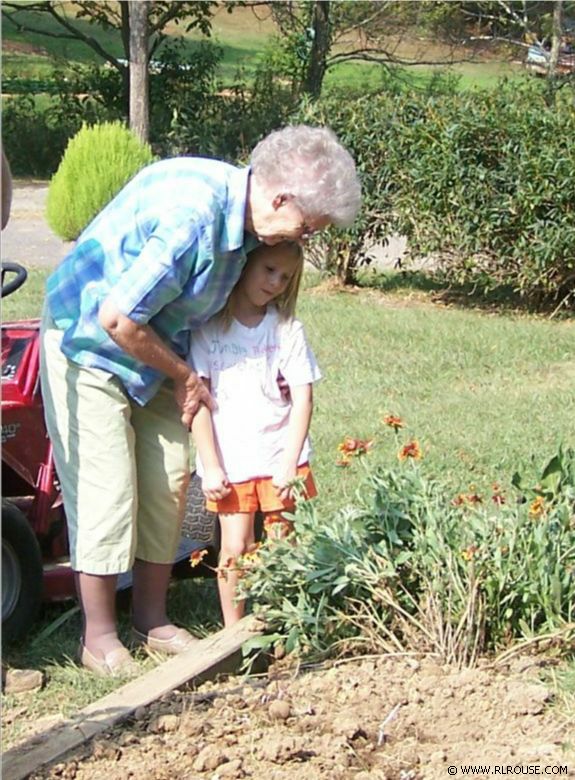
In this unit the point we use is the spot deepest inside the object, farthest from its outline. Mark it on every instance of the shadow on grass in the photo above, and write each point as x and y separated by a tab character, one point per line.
53	640
500	298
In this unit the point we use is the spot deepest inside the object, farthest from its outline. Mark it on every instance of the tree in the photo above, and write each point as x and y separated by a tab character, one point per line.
69	18
139	107
325	33
322	34
518	24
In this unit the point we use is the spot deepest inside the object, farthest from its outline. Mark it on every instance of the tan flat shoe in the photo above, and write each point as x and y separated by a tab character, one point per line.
116	663
180	641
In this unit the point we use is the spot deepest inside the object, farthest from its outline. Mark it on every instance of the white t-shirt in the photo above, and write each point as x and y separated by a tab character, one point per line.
243	365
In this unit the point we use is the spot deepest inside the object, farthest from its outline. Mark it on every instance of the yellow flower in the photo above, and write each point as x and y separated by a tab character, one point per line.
537	507
252	556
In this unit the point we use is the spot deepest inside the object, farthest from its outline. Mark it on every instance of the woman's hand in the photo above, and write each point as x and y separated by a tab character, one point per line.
215	483
142	342
190	392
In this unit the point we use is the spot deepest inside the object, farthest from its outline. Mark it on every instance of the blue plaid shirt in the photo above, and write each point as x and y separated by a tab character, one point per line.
167	250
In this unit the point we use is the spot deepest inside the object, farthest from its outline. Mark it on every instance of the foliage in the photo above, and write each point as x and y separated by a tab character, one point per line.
34	137
228	122
97	163
69	22
182	89
411	567
483	180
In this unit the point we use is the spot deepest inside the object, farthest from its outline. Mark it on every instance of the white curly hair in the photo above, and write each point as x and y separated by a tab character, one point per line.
312	165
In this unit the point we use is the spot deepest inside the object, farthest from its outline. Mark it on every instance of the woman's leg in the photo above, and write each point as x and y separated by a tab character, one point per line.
237	538
87	417
163	473
97	594
149	594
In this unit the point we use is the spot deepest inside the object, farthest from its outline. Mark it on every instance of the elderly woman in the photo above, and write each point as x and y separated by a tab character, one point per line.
152	267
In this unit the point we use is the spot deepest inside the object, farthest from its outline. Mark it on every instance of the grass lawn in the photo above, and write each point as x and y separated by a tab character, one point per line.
244	37
484	393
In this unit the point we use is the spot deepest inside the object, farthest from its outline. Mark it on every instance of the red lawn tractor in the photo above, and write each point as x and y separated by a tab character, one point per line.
35	563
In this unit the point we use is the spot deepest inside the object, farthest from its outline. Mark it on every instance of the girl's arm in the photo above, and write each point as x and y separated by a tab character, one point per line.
215	481
298	427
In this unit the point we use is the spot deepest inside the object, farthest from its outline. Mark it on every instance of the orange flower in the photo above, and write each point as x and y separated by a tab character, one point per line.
537	507
393	421
463	499
410	450
354	447
469	552
197	557
224	568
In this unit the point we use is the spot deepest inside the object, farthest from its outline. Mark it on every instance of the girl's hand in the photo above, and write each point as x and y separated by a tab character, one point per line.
215	484
283	479
190	392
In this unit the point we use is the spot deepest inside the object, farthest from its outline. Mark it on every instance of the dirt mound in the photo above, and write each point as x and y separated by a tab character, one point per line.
372	719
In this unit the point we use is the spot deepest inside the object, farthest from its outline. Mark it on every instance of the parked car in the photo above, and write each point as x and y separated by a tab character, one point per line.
35	559
539	57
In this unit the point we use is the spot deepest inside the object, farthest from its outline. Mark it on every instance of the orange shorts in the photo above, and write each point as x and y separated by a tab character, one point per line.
259	494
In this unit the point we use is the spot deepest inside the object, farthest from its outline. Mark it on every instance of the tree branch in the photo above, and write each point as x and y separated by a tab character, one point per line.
74	33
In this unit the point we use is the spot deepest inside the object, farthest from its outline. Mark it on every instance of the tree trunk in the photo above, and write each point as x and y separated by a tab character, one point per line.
139	103
557	35
320	47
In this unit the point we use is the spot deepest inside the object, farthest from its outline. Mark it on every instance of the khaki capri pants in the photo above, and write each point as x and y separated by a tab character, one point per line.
123	468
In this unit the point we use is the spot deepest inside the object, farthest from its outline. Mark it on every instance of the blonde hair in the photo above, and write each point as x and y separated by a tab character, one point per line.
285	301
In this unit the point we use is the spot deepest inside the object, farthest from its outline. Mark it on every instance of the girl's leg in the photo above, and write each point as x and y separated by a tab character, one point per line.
276	525
237	538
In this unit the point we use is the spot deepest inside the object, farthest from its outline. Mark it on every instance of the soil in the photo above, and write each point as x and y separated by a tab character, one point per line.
376	718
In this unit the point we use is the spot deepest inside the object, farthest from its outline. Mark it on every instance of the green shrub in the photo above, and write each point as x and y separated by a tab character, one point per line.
481	180
34	138
227	123
97	163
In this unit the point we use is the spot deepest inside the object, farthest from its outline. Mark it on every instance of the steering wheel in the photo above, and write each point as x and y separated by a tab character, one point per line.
19	279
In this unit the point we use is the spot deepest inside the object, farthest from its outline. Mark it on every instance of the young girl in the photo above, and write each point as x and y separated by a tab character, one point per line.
252	447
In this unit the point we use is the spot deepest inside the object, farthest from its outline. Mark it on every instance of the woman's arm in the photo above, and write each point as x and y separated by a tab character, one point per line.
143	343
298	428
215	480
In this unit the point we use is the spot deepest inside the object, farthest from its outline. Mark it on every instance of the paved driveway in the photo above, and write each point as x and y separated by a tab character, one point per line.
27	239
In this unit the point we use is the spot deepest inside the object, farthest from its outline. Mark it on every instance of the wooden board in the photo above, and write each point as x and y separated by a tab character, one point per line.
203	660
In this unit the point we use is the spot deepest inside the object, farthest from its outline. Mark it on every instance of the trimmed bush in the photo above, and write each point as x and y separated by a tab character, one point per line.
97	163
482	180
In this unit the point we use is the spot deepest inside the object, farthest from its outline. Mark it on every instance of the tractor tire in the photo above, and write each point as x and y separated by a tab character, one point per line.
200	525
22	574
